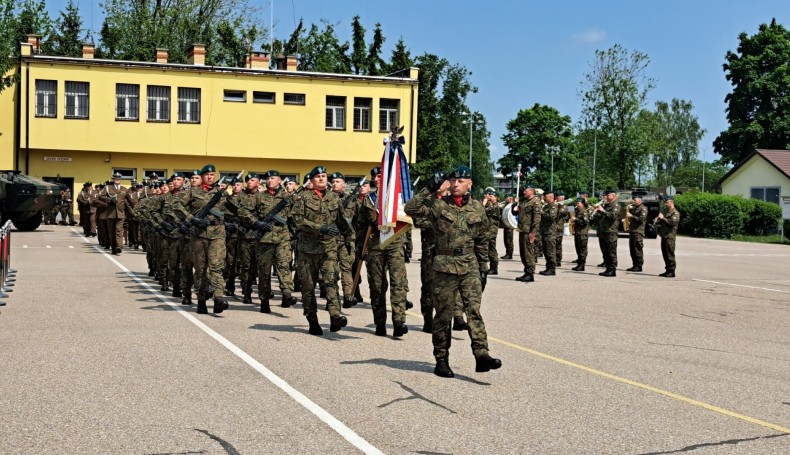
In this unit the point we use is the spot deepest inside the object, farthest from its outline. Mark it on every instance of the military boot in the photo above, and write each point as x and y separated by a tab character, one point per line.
230	288
381	330
358	296
177	292
529	278
165	287
409	305
579	267
322	289
187	300
486	363
602	264
522	277
548	272
608	272
288	300
507	256
635	268
443	369
493	272
265	306
315	327
220	305
459	324
348	302
668	274
201	307
427	325
336	323
247	297
400	329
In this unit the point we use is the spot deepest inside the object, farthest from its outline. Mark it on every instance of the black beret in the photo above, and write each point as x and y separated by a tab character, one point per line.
610	191
317	170
636	195
207	168
560	193
583	192
461	172
86	184
196	172
306	178
545	192
177	174
251	176
272	173
375	171
337	175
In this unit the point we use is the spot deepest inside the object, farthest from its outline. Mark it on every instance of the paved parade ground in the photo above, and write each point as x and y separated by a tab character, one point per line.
96	361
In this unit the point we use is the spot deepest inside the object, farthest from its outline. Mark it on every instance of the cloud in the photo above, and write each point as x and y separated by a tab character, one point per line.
590	36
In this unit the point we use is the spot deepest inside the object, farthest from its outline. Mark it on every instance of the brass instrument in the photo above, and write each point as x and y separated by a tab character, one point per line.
571	223
626	220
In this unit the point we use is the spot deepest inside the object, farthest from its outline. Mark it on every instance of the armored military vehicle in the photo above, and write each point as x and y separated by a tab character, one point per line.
23	199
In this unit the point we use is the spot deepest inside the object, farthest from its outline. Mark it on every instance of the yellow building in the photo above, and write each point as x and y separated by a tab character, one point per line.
83	118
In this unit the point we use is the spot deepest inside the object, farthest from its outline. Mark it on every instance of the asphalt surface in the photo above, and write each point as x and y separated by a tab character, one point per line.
94	360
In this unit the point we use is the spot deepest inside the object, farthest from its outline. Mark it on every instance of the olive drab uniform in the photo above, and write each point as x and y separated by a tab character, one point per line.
462	234
548	233
563	215
66	208
245	203
87	211
171	259
346	248
101	220
133	224
187	280
581	228
529	214
608	223
380	262
668	230
507	236
317	252
115	198
636	233
494	215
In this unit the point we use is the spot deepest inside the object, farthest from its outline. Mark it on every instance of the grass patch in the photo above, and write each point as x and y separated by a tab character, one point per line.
777	238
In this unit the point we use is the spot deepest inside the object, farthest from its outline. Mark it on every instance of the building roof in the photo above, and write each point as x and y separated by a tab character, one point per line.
780	159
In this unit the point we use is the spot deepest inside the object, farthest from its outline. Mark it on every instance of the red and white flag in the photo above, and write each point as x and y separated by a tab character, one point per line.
395	189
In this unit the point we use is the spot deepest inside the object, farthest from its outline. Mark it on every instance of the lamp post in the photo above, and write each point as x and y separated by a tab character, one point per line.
551	178
472	122
595	152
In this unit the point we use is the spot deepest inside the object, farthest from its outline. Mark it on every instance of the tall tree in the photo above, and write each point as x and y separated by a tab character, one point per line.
400	58
376	65
66	39
322	51
7	45
758	108
613	93
359	61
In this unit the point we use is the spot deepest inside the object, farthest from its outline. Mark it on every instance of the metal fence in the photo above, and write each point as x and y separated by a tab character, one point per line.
7	274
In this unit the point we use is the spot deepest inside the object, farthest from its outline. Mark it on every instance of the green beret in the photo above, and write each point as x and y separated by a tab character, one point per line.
669	198
582	200
560	193
461	172
317	170
375	171
207	168
196	172
272	173
177	174
545	192
337	175
251	176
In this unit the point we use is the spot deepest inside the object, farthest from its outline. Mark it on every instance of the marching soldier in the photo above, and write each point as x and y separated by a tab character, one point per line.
383	260
115	197
608	216
668	230
529	214
133	224
233	230
507	234
428	247
185	243
460	264
319	221
548	232
247	259
563	215
494	214
581	227
87	210
637	217
101	217
346	245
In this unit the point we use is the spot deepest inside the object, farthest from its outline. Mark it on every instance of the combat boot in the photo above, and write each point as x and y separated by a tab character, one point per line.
507	256
635	268
493	272
220	305
315	327
548	272
608	273
230	289
201	307
486	363
381	330
443	369
265	307
337	323
348	302
187	300
459	324
409	305
400	329
528	278
177	292
575	261
558	264
602	264
579	267
247	297
288	300
427	325
668	274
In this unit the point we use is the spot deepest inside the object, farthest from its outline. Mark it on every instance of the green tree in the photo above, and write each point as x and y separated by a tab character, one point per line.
400	58
758	108
532	137
7	45
376	65
689	174
322	51
66	39
359	61
613	94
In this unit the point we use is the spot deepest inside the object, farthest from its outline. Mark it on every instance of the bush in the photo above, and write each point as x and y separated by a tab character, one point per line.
722	216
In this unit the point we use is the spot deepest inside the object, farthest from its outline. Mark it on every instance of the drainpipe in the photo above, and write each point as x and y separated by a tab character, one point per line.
27	118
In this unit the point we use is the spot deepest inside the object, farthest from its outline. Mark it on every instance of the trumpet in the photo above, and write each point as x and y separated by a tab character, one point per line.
571	223
626	220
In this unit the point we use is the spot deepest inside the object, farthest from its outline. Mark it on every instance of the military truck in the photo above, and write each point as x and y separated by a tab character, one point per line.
23	199
650	200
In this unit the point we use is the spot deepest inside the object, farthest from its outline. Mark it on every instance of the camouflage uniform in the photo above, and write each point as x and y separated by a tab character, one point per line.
346	250
668	230
563	215
494	215
548	233
608	222
636	233
581	229
461	254
246	263
318	252
529	214
66	208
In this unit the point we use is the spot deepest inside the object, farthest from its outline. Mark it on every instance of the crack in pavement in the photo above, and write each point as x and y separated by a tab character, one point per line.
716	350
704	319
179	453
229	449
415	396
714	444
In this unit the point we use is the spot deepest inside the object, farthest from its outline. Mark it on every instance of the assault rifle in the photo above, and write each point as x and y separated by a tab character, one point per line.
273	216
204	211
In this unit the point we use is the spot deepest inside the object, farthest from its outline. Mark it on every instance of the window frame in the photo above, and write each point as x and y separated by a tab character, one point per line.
259	101
386	111
127	173
228	98
49	110
295	103
764	190
160	173
335	113
188	114
159	99
127	102
358	114
79	99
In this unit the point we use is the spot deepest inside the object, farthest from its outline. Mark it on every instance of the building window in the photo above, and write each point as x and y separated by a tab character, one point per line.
46	98
362	107
77	99
229	175
767	194
335	112
188	105
187	172
158	103
263	97
294	98
127	102
126	174
161	174
388	114
236	96
290	177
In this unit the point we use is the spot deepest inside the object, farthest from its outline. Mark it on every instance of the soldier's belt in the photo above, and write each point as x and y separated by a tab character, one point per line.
454	251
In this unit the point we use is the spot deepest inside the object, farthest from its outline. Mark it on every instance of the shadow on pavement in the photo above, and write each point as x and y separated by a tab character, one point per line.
407	365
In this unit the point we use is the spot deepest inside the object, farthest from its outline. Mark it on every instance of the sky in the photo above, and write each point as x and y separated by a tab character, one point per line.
526	52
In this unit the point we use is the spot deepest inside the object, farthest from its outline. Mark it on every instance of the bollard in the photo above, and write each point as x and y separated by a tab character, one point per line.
4	240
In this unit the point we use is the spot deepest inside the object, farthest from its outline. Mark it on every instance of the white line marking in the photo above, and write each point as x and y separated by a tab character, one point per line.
24	246
338	426
741	286
71	246
48	246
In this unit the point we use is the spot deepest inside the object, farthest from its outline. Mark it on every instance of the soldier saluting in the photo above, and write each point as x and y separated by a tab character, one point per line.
460	264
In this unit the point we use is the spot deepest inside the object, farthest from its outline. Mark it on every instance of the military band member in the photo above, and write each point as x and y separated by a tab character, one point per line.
319	221
581	227
460	264
494	214
114	196
637	217
529	213
668	222
507	233
548	232
608	216
563	215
